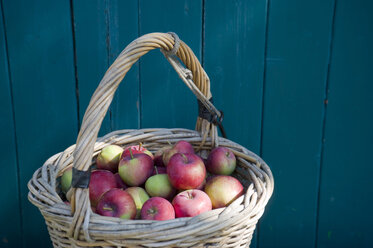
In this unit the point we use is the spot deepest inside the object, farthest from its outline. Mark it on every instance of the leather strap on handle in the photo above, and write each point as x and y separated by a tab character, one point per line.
193	75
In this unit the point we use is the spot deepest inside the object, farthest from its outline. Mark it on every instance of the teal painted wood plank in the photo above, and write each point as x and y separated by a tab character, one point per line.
296	71
123	29
234	59
165	100
91	42
345	216
10	233
40	48
102	30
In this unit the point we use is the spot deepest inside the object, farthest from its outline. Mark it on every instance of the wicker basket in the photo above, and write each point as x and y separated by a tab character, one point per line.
75	225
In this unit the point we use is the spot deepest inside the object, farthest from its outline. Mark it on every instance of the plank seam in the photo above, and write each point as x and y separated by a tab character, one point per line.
325	107
14	124
263	100
139	113
75	63
203	34
108	52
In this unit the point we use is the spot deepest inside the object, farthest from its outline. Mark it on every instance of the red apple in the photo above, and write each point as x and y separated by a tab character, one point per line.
221	161
191	202
159	185
186	171
223	190
180	147
159	170
157	208
202	185
117	203
139	196
158	161
135	169
109	157
100	182
120	183
135	150
158	156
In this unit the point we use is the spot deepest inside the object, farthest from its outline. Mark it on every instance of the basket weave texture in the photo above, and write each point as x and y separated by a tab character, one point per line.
75	225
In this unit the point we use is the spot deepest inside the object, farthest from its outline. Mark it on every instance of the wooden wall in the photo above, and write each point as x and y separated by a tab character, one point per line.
294	79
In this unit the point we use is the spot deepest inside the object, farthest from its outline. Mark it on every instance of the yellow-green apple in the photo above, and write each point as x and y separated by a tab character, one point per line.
159	185
180	147
157	208
135	150
223	190
117	203
120	183
221	161
135	168
109	157
66	180
191	202
100	182
139	196
159	170
186	171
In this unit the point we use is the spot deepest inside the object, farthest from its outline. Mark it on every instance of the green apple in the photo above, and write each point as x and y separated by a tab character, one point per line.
140	196
160	185
109	157
66	180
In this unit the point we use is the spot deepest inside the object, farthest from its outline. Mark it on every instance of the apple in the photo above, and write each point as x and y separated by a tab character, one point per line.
120	183
158	161
223	190
158	156
66	180
180	147
186	171
159	185
109	157
191	202
135	169
221	161
202	185
159	170
157	208
100	182
139	196
135	150
117	203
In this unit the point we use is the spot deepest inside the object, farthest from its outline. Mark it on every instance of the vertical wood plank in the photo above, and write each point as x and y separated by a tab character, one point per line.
102	30
165	100
123	29
91	42
345	215
40	48
234	60
10	230
296	69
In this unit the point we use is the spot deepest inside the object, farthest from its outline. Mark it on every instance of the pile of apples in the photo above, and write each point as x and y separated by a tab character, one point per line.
132	183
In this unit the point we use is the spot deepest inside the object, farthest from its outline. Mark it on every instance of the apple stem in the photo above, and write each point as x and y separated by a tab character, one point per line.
190	195
140	145
156	170
131	153
107	208
185	158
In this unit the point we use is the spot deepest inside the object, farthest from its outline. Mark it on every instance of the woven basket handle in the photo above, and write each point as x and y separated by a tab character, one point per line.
194	77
